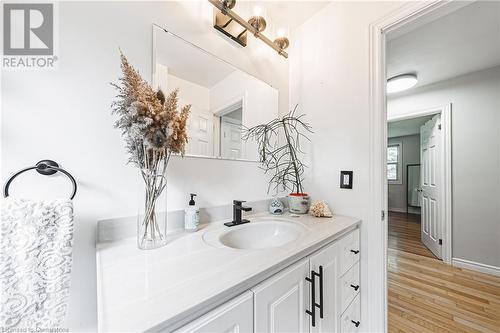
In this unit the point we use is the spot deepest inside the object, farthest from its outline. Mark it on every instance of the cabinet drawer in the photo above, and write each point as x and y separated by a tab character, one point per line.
349	251
233	316
349	287
350	320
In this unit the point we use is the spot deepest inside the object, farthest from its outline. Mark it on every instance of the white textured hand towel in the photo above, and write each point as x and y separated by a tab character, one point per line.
35	263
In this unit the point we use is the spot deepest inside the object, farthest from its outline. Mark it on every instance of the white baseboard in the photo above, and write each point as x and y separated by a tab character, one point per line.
476	266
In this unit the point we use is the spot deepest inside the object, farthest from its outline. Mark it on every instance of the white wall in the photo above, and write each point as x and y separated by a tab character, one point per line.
65	115
190	93
329	78
475	130
411	155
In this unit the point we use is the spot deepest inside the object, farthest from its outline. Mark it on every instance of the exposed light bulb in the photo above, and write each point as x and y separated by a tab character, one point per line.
258	11
281	32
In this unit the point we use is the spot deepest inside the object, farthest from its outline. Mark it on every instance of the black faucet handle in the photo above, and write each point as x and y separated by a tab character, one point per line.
238	202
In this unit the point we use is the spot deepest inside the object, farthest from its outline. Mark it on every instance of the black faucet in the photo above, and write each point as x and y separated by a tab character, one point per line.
237	208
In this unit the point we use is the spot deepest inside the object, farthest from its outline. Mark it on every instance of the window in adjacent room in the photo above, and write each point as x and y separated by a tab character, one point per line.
394	153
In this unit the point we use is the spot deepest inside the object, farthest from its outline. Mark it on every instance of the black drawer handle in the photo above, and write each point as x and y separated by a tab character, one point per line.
320	275
355	251
355	287
312	312
356	323
314	304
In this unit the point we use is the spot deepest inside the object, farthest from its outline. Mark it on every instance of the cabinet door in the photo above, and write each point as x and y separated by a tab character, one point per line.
280	302
328	259
234	316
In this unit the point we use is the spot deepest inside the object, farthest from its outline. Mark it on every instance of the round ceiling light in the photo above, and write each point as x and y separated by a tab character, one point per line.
401	82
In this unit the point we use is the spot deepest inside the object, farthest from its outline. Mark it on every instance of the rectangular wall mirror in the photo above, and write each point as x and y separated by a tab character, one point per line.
224	98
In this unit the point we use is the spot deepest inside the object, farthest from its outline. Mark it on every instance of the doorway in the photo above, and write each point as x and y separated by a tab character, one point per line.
419	182
407	277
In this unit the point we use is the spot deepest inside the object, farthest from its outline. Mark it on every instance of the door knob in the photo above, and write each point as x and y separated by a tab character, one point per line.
356	323
355	287
355	251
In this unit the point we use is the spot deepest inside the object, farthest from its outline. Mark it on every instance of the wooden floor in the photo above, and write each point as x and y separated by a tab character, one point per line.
427	295
404	234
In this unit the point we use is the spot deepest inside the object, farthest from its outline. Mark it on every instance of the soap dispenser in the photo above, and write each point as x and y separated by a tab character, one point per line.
191	215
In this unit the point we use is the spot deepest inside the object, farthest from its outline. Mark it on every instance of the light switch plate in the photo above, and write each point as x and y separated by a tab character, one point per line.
346	179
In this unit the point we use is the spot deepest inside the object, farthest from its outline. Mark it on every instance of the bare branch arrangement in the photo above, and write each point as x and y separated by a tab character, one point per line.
153	129
281	158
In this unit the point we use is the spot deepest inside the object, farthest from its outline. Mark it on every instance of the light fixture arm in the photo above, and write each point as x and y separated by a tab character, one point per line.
247	26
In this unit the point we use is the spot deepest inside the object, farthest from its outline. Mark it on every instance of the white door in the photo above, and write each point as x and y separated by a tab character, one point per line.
235	316
326	261
430	157
231	139
200	133
280	302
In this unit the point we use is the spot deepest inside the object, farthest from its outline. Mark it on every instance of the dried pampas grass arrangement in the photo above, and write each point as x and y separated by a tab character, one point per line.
153	129
149	121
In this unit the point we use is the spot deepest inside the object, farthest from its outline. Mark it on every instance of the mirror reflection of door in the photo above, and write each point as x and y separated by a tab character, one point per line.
231	121
231	142
200	131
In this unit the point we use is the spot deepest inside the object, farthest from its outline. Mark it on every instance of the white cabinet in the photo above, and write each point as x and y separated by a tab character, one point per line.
234	316
319	294
326	261
280	302
324	286
349	283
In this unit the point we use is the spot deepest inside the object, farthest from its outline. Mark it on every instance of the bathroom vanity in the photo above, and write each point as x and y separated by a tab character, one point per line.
286	274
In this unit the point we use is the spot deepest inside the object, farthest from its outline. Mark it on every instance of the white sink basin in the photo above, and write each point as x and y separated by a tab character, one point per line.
261	235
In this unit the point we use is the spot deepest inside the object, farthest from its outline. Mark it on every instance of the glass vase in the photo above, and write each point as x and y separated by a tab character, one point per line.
152	217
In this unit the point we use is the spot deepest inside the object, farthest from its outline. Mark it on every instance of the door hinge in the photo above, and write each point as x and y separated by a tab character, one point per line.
382	215
440	241
439	126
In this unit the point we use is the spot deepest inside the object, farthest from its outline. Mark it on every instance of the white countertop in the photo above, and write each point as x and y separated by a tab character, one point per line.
150	290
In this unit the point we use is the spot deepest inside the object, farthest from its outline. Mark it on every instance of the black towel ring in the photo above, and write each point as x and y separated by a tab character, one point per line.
44	167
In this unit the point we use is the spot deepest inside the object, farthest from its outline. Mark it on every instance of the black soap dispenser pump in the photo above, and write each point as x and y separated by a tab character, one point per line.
191	202
191	215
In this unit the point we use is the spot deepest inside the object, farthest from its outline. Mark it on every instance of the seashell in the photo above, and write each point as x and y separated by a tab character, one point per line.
320	209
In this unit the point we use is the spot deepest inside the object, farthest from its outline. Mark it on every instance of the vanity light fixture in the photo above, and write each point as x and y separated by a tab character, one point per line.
281	39
401	82
225	16
257	20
